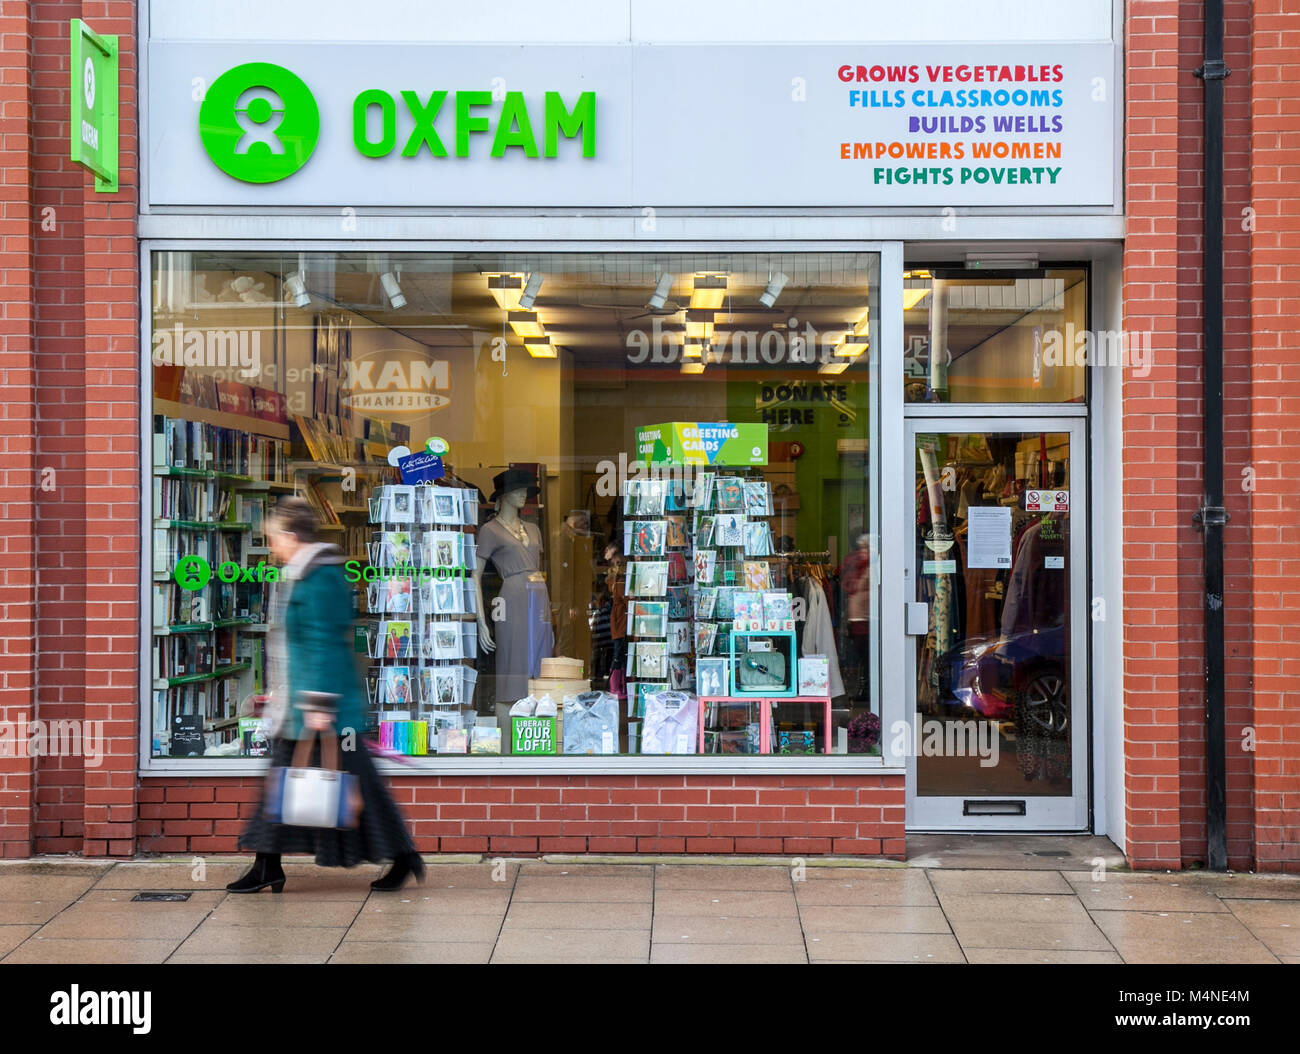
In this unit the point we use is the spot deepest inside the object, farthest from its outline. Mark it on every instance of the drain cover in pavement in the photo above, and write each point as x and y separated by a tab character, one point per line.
155	894
1049	852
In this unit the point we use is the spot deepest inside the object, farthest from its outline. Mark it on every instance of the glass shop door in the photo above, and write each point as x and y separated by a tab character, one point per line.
996	611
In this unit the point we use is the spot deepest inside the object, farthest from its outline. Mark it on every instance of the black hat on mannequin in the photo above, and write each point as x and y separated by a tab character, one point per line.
514	479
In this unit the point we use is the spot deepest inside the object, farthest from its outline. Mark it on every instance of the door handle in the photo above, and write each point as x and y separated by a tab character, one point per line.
918	619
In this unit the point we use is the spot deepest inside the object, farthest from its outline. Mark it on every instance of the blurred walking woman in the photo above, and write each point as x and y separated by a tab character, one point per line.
310	648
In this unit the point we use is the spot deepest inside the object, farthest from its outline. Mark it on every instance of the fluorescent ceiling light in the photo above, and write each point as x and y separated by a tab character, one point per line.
692	367
506	289
773	290
709	293
699	325
693	349
863	325
662	289
913	296
852	346
526	323
1002	261
540	347
834	367
531	290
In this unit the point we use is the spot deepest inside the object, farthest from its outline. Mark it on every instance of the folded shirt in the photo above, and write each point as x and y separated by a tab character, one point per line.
671	723
591	723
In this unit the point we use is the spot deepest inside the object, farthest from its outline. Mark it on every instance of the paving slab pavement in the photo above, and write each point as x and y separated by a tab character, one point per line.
958	899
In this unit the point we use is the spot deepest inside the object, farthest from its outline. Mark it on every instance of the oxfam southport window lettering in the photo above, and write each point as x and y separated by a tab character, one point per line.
259	122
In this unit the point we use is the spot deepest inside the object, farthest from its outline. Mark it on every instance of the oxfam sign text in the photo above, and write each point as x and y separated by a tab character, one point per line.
260	123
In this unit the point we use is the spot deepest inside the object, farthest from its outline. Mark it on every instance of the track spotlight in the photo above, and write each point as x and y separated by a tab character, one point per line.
662	289
531	290
395	296
773	290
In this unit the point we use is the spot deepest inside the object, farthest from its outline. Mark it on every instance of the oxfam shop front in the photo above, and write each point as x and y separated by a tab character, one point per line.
685	508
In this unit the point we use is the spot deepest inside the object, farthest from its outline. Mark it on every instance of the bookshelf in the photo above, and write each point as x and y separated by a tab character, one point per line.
214	476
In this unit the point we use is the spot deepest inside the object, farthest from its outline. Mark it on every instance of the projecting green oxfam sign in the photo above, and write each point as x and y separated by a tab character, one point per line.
259	123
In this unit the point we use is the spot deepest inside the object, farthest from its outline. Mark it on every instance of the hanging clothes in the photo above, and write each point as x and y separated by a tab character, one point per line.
1036	594
819	634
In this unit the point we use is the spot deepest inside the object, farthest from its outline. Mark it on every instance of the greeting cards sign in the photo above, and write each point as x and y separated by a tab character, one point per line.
703	443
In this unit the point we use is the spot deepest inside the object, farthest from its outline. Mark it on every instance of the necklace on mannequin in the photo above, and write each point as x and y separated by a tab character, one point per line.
516	527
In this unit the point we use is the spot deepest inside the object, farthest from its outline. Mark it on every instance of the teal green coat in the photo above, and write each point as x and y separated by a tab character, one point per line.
318	638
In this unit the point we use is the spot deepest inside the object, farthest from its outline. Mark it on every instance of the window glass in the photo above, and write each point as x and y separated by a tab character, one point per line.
1009	337
607	504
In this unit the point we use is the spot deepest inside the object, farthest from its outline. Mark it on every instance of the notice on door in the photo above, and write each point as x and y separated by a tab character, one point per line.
1047	501
988	540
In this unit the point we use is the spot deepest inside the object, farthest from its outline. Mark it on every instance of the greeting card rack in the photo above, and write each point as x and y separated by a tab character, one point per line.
421	637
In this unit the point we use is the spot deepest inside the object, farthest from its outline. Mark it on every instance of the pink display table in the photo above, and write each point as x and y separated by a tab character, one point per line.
764	718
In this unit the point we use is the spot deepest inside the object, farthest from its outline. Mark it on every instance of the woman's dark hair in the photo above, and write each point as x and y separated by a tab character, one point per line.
296	516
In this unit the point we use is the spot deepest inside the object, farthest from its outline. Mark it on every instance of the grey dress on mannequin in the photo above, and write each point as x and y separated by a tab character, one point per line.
523	636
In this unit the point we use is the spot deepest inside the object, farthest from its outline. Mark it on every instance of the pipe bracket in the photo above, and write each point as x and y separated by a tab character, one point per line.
1213	70
1210	516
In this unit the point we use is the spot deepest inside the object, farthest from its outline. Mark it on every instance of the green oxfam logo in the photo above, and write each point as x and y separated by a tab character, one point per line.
192	573
259	122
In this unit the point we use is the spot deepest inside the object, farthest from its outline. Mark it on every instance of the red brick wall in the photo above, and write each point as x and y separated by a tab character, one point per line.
1164	578
60	431
113	501
848	815
1275	431
17	425
87	383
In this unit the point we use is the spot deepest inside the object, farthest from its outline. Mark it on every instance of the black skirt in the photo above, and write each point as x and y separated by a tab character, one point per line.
380	835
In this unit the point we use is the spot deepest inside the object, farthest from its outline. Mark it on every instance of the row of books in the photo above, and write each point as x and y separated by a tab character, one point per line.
198	652
179	443
178	498
325	511
324	445
210	700
216	602
183	655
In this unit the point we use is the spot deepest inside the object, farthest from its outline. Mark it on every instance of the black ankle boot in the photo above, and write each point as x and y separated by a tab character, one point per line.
266	871
410	864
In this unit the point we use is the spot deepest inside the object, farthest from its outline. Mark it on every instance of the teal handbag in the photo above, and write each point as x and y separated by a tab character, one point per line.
761	670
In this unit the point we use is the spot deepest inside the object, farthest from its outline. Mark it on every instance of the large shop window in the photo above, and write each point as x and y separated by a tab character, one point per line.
589	504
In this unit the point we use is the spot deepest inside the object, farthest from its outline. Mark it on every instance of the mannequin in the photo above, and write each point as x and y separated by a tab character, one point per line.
523	633
572	560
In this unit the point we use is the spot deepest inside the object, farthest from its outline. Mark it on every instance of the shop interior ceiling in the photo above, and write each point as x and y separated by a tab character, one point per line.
591	303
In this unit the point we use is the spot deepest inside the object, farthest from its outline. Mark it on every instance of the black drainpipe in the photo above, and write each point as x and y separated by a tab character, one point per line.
1212	516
